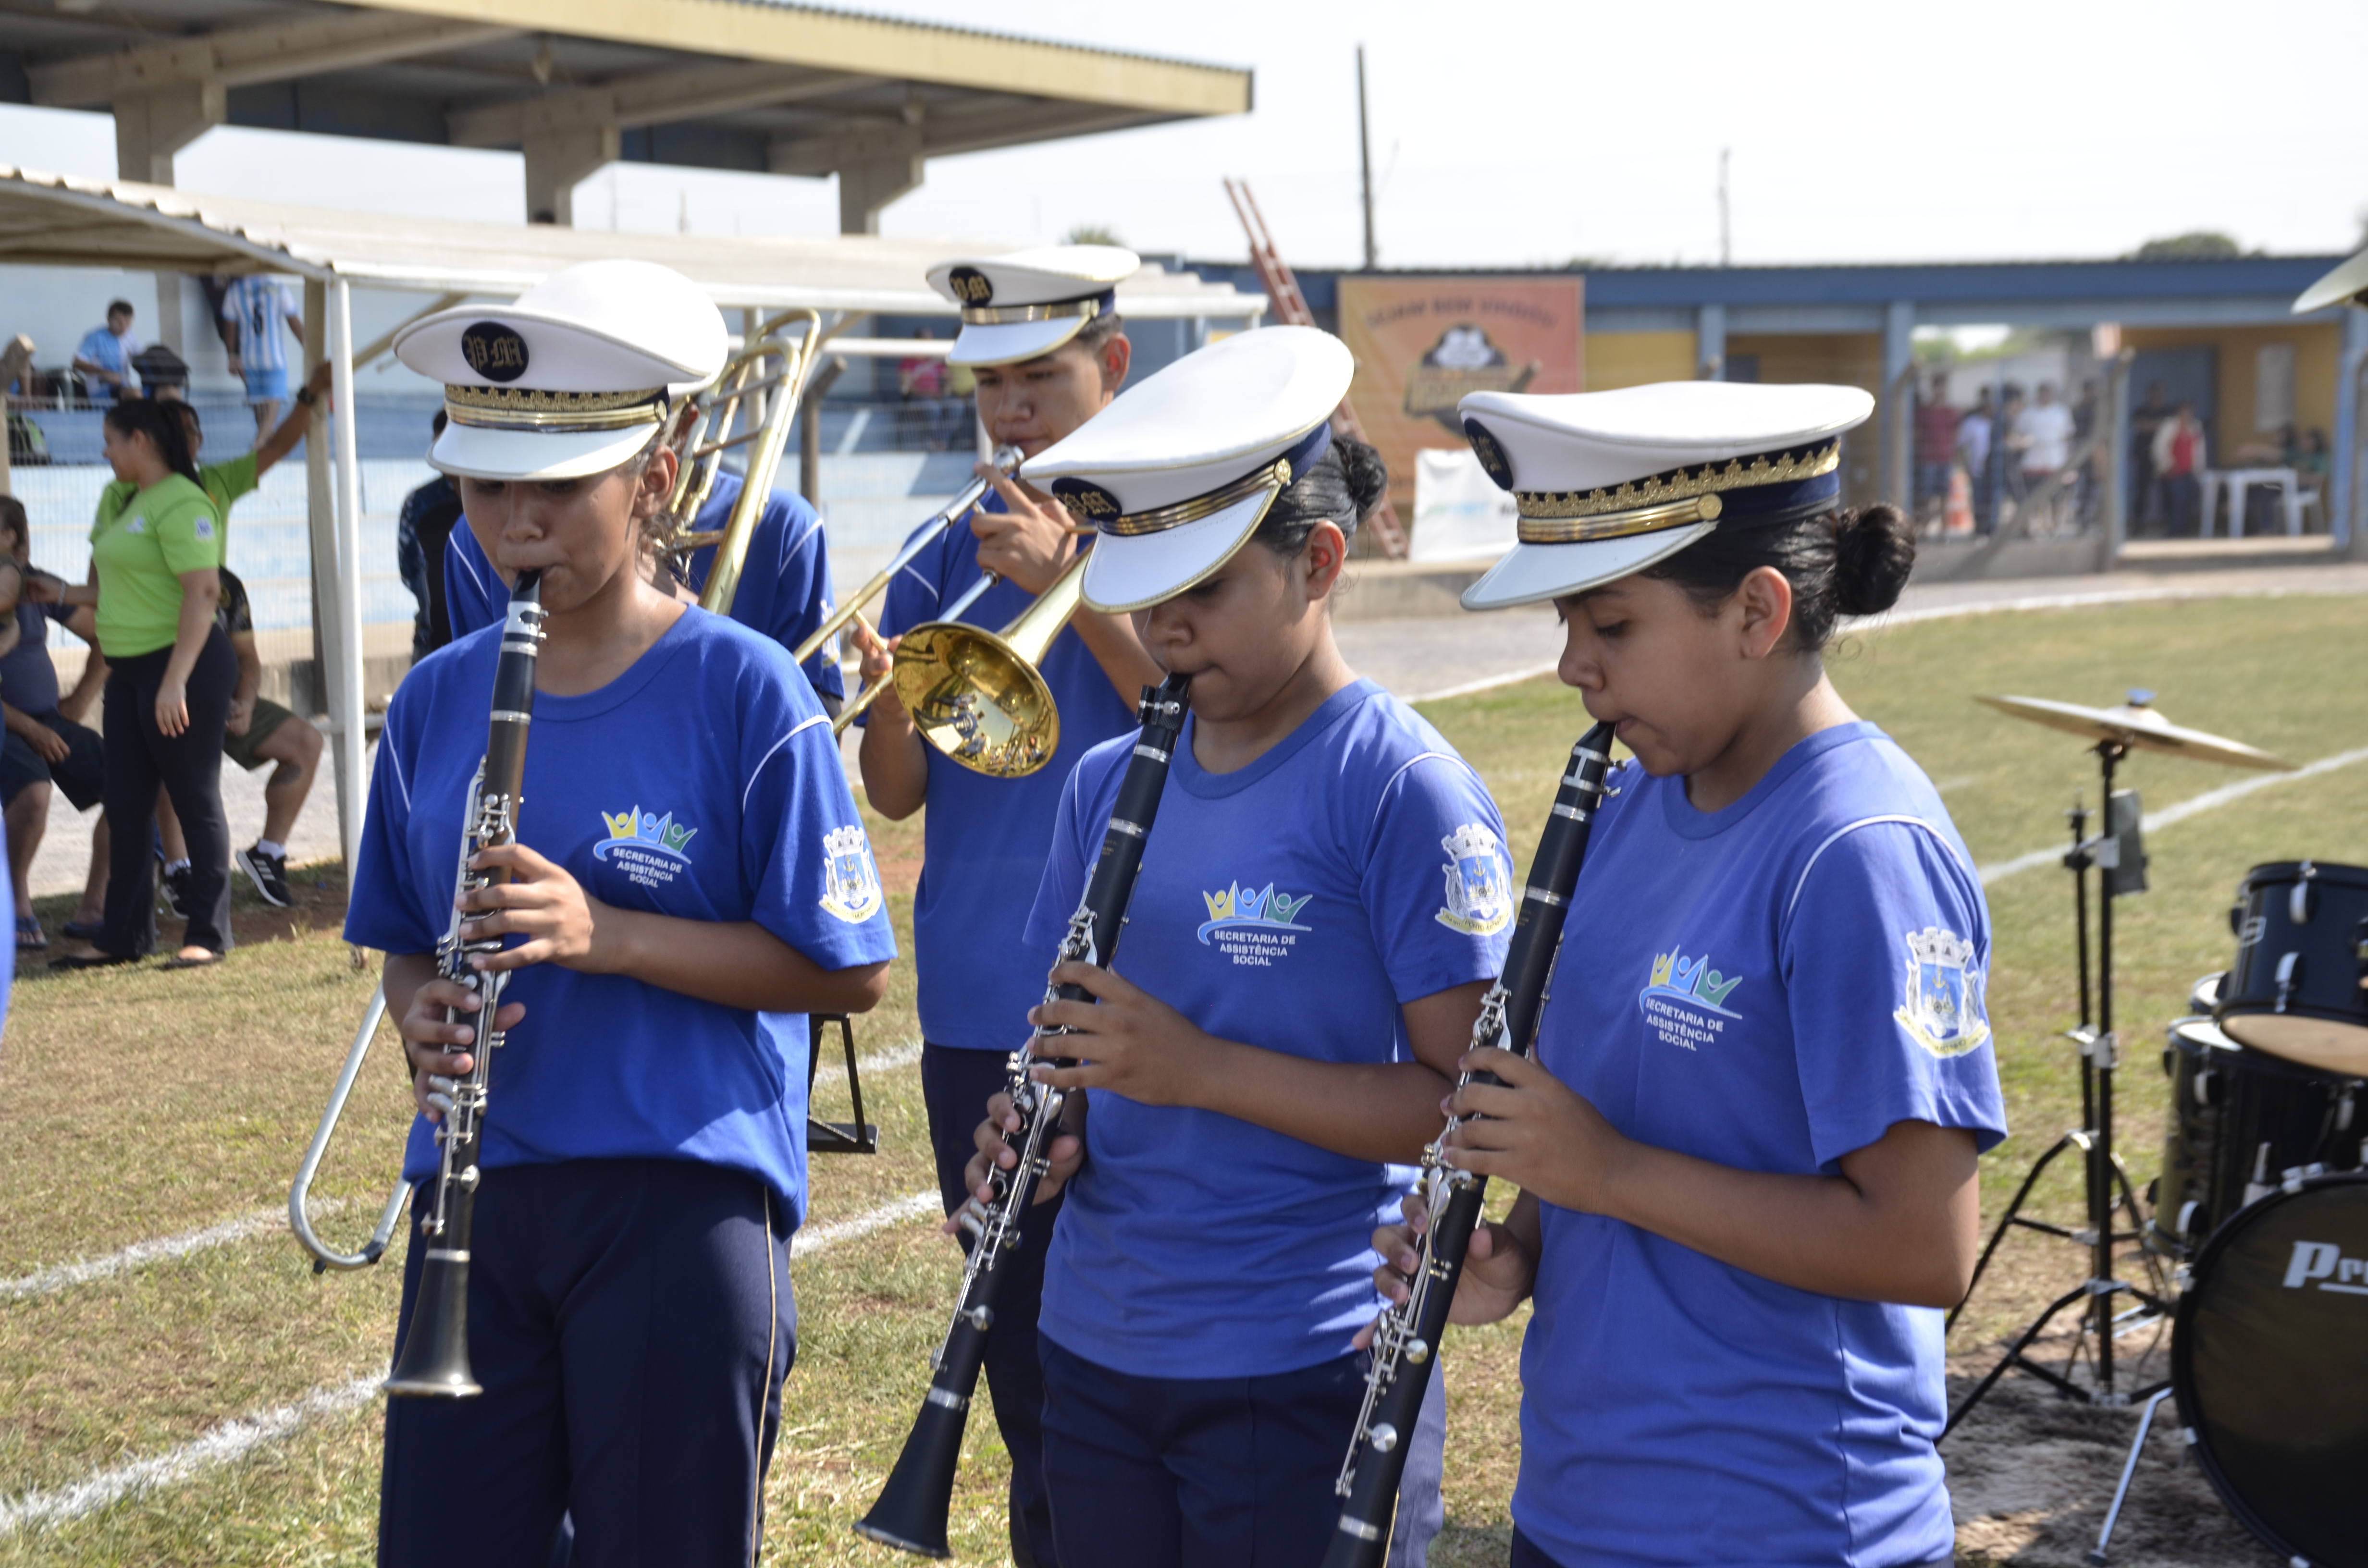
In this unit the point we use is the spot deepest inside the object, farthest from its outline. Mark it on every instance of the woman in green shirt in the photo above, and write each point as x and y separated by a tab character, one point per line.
156	550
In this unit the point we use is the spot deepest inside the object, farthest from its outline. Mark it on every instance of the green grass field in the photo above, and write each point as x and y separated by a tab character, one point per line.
144	1105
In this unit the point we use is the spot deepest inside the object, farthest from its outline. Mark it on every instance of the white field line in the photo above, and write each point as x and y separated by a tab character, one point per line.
903	1056
233	1440
2210	799
1891	618
41	1282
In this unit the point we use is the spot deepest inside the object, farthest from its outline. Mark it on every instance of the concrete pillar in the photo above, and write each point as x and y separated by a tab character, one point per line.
866	187
1896	410
2347	513
1710	343
556	162
2116	422
149	129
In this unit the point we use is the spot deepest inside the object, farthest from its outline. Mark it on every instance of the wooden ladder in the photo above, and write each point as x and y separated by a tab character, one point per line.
1291	307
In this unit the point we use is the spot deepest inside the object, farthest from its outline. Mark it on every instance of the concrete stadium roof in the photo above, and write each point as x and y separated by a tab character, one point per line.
60	221
744	84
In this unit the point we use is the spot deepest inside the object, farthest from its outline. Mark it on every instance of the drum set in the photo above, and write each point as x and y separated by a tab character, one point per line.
2253	1240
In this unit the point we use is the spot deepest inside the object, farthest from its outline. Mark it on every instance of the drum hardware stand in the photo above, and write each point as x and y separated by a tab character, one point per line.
2129	1469
857	1137
2108	1192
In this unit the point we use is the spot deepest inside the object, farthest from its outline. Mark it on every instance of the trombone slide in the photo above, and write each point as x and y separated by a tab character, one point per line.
300	1220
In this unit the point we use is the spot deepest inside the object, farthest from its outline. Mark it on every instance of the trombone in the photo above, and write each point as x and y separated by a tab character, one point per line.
979	696
759	401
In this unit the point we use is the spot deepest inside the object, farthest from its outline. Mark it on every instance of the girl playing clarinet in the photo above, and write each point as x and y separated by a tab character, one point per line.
1323	900
1746	1146
690	877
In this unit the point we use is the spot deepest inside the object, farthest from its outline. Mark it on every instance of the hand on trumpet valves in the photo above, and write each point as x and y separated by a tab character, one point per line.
561	923
1536	1132
1132	1042
1030	540
1498	1269
439	1051
1064	1153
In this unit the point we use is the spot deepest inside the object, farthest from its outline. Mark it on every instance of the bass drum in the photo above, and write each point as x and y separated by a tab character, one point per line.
2269	1357
2294	990
2241	1122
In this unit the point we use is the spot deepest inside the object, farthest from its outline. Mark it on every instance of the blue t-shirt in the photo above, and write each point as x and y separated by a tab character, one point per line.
784	582
1771	986
1293	905
984	840
704	783
28	681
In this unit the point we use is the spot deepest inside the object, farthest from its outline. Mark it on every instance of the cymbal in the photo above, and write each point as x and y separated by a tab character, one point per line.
2138	726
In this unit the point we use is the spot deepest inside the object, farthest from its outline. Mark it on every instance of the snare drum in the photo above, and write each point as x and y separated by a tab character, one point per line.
2241	1123
2294	990
2204	1000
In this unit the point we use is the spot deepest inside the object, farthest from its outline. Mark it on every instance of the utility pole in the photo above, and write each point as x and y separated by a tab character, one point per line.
1365	162
1725	237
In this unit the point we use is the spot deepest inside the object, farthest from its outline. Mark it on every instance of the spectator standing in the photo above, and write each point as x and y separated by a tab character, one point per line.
2006	444
421	534
252	308
2179	460
43	746
106	353
258	730
2043	434
2084	432
1936	447
2146	421
1974	450
224	483
155	564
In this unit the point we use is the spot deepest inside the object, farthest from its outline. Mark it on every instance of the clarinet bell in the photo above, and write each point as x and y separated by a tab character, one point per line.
914	1506
434	1362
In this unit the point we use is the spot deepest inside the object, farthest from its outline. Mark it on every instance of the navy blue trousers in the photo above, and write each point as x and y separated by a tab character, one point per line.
955	1085
1196	1472
631	1323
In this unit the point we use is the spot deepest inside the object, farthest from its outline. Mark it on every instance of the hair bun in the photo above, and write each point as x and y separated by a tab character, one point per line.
1367	476
1874	549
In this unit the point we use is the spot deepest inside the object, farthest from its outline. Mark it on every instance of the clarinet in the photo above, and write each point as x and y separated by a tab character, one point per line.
1406	1337
913	1507
434	1360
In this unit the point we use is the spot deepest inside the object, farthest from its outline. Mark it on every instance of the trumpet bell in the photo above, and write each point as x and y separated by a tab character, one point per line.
975	699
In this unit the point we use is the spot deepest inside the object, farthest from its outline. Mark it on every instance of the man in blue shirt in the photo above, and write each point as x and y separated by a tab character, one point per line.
105	354
986	839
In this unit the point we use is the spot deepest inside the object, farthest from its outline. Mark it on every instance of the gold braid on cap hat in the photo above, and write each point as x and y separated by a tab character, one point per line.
1274	478
552	413
1004	316
1667	500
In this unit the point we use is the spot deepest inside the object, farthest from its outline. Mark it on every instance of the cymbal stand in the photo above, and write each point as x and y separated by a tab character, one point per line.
2107	1192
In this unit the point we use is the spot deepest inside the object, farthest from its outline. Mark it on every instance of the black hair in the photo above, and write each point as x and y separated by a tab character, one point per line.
1344	484
189	411
1851	562
122	306
1099	331
14	522
145	416
436	425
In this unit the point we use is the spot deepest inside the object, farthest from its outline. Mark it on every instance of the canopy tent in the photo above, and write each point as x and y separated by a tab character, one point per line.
61	220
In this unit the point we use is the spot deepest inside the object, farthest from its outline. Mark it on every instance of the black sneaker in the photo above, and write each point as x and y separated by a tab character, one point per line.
269	875
172	892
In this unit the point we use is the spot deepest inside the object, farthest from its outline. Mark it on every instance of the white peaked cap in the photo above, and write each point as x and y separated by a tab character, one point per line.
1175	473
572	378
2347	284
1609	482
1024	304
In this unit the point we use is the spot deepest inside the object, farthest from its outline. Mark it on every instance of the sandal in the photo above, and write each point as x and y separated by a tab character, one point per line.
81	930
29	938
207	961
91	960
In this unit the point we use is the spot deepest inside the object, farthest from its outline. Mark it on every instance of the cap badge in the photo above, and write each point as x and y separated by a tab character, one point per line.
970	286
1491	455
494	351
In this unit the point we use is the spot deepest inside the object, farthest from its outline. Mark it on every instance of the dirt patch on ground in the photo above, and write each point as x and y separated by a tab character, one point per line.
2031	1475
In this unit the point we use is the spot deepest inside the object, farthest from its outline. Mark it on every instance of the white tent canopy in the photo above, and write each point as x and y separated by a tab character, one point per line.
62	220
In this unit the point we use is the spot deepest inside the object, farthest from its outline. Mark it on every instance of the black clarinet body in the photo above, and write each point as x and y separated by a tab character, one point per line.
434	1360
913	1508
1406	1337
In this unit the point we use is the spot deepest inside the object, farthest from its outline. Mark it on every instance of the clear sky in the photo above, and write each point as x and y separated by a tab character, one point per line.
1517	132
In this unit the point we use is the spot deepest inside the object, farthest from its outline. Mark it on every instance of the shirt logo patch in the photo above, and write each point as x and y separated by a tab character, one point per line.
1944	1008
137	526
1254	929
1683	1003
1479	882
204	527
852	882
651	849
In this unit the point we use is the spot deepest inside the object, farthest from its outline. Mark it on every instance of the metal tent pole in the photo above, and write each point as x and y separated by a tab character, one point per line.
345	681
